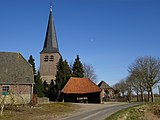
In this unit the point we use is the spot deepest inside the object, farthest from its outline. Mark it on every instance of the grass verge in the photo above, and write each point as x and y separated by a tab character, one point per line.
148	111
39	112
126	114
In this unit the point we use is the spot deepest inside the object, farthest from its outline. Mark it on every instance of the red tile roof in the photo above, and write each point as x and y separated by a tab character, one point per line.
80	86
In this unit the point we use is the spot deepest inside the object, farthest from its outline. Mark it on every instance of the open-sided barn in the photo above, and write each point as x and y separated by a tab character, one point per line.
81	90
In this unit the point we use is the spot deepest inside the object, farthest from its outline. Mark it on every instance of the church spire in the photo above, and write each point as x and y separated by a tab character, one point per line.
50	44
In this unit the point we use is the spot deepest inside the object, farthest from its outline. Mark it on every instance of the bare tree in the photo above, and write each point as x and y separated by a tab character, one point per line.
135	85
121	87
89	72
129	88
148	72
2	103
138	85
117	89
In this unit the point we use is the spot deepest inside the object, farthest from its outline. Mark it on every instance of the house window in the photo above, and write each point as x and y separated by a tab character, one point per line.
5	90
46	58
51	58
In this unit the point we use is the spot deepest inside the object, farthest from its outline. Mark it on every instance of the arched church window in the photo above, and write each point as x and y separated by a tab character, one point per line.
51	58
46	58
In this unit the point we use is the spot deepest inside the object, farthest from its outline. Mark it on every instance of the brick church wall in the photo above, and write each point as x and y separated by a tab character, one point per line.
48	67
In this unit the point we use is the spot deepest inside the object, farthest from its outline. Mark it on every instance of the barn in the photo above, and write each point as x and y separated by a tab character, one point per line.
81	90
16	78
105	87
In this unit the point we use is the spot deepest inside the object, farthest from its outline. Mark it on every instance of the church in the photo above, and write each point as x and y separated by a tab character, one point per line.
50	55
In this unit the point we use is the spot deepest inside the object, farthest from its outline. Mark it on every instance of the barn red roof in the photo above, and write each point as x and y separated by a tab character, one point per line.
80	86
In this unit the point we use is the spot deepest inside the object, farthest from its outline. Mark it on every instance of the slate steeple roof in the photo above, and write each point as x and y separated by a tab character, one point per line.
50	44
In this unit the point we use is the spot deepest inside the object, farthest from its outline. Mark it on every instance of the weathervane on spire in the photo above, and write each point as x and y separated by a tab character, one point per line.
51	4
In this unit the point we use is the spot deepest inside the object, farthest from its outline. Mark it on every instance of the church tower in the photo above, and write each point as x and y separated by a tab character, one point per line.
49	56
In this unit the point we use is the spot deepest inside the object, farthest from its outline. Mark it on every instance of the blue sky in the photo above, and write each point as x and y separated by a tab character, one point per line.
109	34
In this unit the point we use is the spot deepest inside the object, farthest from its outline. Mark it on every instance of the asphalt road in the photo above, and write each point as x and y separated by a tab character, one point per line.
99	113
